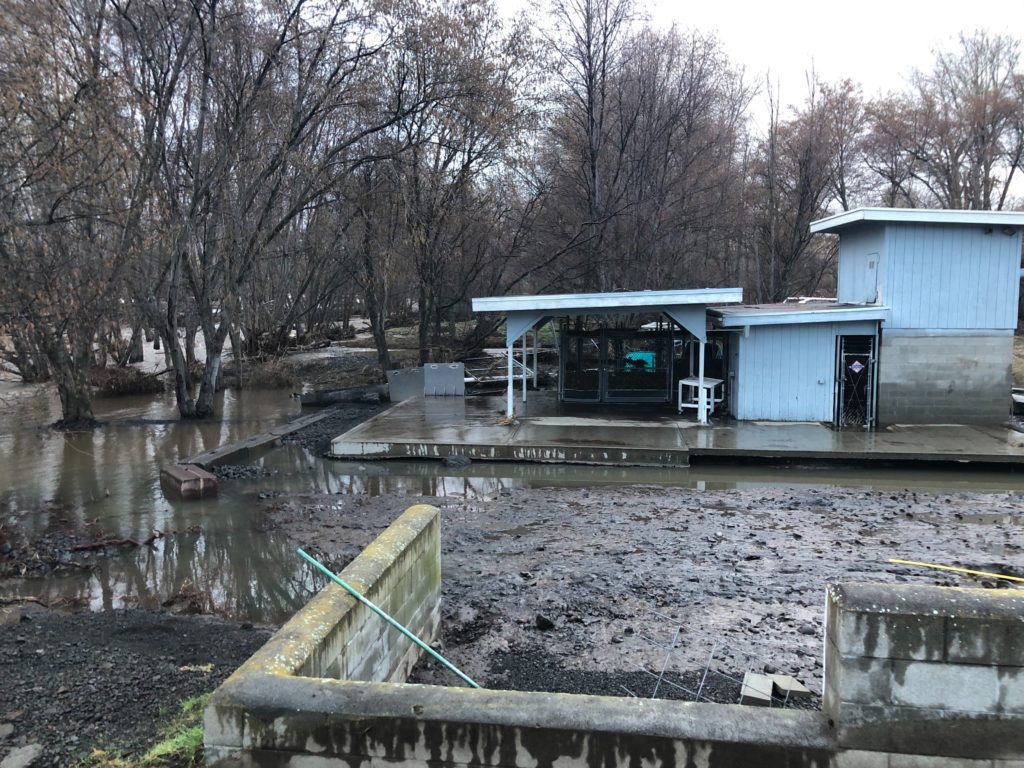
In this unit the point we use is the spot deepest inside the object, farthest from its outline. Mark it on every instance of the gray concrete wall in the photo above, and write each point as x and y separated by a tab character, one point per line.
926	670
944	379
335	636
915	677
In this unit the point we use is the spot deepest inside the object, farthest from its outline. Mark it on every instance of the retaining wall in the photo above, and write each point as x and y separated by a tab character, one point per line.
920	677
335	636
926	670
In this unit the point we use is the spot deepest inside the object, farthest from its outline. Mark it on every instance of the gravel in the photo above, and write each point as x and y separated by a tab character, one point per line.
341	418
110	680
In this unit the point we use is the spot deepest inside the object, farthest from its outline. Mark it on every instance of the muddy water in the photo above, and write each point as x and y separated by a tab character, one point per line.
109	478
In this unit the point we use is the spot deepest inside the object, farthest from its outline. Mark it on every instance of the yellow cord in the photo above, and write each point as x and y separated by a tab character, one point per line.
958	570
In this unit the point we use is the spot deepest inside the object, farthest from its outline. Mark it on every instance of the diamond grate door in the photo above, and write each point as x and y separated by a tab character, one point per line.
855	398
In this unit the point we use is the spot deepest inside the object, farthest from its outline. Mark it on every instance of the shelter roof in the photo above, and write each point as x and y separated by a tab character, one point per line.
917	216
560	304
687	308
792	313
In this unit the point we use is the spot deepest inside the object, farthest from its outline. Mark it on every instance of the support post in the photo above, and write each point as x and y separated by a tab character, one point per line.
510	409
702	398
525	334
536	353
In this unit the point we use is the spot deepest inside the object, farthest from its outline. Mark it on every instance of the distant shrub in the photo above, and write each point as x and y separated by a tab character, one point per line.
118	382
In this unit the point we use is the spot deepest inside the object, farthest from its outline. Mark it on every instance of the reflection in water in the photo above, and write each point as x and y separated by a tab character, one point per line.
296	470
243	573
110	479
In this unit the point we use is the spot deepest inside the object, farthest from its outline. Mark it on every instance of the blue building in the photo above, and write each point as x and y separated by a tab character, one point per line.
921	329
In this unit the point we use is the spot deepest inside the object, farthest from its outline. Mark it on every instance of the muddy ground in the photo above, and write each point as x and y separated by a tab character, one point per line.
577	590
110	680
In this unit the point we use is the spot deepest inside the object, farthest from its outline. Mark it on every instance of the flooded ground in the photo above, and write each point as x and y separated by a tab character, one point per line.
220	552
107	482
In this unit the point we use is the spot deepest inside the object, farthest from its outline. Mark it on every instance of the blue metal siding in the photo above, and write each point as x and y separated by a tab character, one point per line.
787	372
950	276
854	249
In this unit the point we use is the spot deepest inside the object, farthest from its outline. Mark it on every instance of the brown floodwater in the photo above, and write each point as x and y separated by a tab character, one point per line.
109	478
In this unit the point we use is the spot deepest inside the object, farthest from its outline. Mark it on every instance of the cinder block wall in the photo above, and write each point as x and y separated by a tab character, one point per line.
926	670
944	379
335	636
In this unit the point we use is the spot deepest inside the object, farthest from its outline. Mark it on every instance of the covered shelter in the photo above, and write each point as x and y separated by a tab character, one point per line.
601	365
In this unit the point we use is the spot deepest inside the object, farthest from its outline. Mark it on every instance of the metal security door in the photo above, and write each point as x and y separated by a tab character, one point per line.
855	382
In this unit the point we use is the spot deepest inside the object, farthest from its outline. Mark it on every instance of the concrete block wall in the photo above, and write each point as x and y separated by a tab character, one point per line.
944	379
335	636
926	670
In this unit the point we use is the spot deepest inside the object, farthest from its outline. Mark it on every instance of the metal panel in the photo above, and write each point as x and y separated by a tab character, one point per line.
444	380
405	383
948	277
787	372
858	282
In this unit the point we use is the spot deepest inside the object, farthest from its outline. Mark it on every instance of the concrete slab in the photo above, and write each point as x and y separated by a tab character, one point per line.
187	481
548	431
756	690
787	686
474	427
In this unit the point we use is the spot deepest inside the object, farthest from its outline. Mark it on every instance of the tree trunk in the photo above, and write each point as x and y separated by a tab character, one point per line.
236	352
70	376
182	375
423	326
211	375
190	346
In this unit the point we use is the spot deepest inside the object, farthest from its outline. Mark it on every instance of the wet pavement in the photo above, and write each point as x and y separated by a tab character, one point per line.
547	431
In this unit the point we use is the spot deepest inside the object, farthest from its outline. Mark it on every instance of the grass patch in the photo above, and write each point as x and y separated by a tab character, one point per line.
180	745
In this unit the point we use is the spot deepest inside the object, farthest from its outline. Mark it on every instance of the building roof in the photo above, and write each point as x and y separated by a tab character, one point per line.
579	303
918	216
792	313
686	308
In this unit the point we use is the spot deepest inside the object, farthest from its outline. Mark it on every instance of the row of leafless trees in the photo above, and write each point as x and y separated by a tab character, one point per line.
250	170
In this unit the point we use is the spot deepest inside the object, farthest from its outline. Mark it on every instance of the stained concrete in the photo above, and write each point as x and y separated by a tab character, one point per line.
901	659
547	431
944	379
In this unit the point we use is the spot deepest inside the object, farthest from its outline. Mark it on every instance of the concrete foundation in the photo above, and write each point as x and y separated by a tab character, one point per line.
551	432
915	676
944	379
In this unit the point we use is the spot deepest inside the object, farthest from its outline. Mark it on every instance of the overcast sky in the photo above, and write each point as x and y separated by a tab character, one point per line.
874	42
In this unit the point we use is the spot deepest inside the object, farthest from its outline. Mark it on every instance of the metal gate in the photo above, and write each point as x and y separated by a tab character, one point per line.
855	382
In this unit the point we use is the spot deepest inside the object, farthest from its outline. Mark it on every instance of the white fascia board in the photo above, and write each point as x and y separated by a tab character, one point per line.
853	314
918	216
631	300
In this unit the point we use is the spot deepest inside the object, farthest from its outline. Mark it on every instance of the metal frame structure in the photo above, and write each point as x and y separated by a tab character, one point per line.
687	308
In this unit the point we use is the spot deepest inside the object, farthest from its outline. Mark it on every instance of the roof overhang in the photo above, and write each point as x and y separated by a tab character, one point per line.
918	216
687	308
561	304
744	317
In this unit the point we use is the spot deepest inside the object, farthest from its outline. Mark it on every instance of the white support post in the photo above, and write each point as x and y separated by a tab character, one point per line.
510	409
524	364
536	353
702	398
